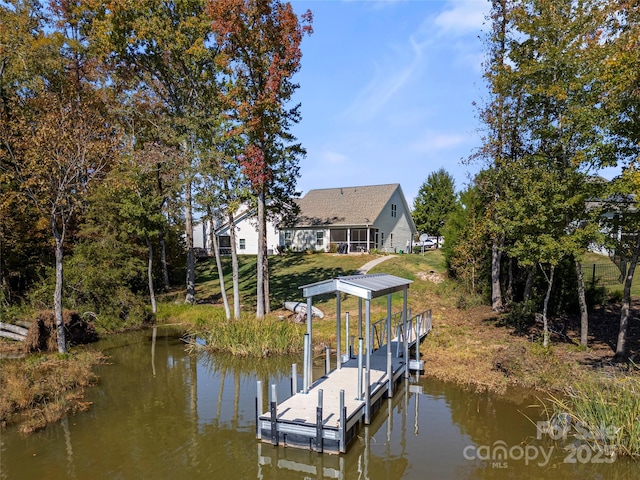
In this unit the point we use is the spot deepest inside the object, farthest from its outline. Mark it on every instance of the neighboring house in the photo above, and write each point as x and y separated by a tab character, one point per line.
246	235
357	218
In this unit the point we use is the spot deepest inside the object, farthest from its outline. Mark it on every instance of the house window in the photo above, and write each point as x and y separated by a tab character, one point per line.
243	244
319	239
287	238
394	210
391	239
382	239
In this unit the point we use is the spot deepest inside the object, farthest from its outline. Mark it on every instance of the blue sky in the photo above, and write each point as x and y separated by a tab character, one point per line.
387	91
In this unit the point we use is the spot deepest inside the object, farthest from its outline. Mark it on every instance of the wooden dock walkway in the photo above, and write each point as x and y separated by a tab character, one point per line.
327	417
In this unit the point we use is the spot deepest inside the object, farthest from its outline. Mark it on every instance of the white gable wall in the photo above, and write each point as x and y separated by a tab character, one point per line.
246	229
394	224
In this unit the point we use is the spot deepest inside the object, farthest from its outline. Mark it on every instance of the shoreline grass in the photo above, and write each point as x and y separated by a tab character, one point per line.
247	335
42	389
603	413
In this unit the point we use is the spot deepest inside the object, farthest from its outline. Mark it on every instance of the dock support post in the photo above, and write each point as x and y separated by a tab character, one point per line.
368	333
359	317
389	375
274	415
319	440
327	362
259	410
367	397
406	346
338	331
388	340
418	322
359	397
348	339
343	423
307	354
294	379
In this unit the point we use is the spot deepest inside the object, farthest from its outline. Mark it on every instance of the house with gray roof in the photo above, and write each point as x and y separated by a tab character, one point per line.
352	219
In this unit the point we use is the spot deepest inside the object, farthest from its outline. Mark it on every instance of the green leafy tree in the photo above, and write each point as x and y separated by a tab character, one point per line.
260	41
168	51
435	201
622	78
465	238
547	129
64	136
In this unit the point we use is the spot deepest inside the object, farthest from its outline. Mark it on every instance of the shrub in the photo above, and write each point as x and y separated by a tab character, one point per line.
521	317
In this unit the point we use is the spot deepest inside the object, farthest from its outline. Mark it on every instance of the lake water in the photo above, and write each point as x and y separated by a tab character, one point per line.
160	413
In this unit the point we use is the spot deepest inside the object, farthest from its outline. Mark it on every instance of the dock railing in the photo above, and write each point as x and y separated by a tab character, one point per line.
417	326
379	334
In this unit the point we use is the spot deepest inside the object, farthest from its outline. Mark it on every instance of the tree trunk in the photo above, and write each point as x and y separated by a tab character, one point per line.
234	267
621	346
260	301
213	241
496	289
545	309
528	285
582	301
57	294
163	261
265	268
191	263
152	293
509	292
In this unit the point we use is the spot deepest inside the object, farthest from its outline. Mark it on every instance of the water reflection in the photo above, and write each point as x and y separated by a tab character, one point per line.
161	413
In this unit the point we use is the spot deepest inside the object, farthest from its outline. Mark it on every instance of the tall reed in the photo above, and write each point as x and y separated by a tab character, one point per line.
249	336
603	413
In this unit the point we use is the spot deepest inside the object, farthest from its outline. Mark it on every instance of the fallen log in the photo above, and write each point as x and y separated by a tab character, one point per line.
14	328
12	336
23	323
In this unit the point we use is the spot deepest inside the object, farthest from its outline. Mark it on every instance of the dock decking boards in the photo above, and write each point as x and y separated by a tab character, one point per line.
296	418
327	413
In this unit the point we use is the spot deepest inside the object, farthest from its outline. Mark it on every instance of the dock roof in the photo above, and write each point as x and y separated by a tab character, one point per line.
363	286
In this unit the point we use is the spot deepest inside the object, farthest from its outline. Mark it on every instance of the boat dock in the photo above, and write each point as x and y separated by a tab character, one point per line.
325	414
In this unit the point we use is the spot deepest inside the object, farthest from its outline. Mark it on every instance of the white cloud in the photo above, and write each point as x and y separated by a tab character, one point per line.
436	141
462	17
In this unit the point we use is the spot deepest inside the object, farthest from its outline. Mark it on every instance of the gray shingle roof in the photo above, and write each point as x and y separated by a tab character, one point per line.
344	206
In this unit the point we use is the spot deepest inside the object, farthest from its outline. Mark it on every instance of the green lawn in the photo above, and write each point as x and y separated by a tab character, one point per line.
289	272
604	261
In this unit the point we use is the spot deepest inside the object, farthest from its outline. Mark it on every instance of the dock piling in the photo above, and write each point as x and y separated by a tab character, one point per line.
327	363
274	415
359	397
319	441
259	410
294	378
343	424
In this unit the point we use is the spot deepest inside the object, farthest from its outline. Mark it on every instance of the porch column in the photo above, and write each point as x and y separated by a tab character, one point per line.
368	238
348	240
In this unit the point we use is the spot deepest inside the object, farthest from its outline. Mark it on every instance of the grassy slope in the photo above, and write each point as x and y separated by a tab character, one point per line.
466	346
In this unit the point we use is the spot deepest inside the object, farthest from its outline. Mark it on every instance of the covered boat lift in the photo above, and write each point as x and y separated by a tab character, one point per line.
325	415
